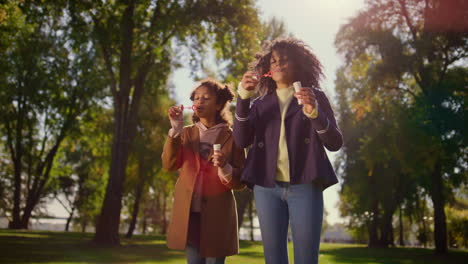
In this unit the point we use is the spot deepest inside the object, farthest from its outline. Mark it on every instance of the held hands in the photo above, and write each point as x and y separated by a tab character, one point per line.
307	96
249	80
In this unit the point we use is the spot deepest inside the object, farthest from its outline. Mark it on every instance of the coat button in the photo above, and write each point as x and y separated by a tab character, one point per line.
260	144
307	140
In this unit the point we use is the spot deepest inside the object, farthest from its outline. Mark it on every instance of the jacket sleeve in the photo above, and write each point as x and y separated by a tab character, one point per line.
244	123
172	153
237	164
325	124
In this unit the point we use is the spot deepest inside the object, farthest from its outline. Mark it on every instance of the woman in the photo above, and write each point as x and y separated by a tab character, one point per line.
287	165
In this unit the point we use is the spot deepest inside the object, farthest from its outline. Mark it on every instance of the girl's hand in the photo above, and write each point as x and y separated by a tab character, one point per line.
177	119
219	159
249	81
175	114
308	98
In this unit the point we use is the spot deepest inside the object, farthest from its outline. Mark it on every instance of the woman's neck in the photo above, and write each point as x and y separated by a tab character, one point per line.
208	122
282	85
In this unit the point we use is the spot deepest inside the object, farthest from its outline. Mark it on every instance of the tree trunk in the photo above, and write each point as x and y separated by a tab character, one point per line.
144	224
374	223
373	226
83	226
438	200
243	199
16	153
126	105
70	217
386	235
107	228
27	212
136	204
16	221
400	220
251	218
424	234
392	236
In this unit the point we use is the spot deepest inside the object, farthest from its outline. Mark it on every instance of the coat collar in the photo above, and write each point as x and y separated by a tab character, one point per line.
194	138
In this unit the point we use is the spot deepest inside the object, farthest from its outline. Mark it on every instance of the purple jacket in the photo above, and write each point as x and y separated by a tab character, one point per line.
257	126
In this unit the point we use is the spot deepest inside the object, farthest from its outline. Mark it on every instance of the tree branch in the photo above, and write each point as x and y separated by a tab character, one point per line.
127	26
107	54
10	140
405	14
64	206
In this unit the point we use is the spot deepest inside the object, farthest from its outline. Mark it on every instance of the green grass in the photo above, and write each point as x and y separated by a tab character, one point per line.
60	247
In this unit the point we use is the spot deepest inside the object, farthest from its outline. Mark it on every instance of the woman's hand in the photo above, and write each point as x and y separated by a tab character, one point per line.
249	81
219	159
308	99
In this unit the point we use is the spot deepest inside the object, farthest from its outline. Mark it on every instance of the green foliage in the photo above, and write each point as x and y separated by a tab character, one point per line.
457	219
146	184
48	80
81	166
401	109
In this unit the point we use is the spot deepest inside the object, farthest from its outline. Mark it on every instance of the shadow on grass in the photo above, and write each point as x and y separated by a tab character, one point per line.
42	247
364	255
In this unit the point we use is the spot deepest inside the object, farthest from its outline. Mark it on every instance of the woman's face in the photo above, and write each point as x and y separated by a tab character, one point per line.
205	101
281	68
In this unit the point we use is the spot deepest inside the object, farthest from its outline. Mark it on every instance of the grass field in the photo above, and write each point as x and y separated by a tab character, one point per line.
60	247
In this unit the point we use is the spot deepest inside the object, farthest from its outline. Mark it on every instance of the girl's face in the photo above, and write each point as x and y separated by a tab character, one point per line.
205	101
281	68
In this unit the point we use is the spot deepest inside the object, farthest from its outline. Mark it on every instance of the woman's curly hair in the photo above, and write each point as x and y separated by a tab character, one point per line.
307	68
223	95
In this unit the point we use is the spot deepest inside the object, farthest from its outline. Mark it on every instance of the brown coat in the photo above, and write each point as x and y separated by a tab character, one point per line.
218	231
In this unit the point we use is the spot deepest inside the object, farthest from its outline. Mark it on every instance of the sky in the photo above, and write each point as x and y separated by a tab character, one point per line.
316	22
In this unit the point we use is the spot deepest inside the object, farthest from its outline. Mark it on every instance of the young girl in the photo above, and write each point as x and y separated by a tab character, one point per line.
204	217
287	165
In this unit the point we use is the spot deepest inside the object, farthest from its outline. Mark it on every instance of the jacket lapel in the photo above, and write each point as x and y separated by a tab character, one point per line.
271	106
293	108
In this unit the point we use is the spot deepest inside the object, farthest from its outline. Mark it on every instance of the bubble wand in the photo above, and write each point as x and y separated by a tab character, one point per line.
258	76
192	107
297	88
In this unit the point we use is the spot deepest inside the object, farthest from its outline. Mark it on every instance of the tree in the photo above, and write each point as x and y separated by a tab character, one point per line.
410	42
153	125
47	82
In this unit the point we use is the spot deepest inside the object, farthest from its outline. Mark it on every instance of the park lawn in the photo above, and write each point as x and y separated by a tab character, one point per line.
60	247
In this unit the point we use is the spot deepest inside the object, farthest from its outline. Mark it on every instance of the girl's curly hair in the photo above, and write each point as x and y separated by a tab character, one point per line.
307	68
223	95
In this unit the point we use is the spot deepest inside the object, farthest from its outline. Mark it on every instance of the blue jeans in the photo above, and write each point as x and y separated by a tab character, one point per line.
193	257
302	206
